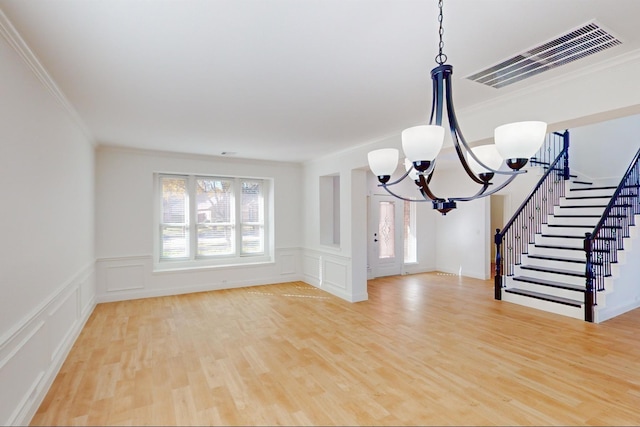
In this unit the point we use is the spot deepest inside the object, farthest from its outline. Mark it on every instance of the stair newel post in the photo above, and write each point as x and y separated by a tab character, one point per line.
567	173
589	300
498	276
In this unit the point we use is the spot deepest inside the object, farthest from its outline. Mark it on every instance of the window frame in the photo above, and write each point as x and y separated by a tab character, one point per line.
193	260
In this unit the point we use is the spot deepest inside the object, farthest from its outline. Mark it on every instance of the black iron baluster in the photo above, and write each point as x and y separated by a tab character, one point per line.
498	278
588	290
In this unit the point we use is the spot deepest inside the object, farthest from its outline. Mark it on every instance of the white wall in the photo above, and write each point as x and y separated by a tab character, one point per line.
464	234
47	215
605	149
125	232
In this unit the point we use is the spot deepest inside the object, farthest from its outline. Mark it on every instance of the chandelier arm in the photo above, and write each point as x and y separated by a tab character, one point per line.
400	197
456	133
458	138
399	179
479	194
483	194
424	188
436	99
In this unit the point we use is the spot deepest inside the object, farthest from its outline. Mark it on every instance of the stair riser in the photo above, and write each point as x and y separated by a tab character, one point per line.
559	241
589	193
582	202
556	252
564	293
591	222
558	210
573	266
561	309
580	281
569	231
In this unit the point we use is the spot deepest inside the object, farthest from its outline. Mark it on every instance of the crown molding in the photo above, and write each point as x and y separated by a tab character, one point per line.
13	38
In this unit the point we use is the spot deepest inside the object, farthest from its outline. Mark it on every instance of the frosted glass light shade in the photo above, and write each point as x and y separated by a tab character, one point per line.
519	140
487	154
422	143
383	162
407	166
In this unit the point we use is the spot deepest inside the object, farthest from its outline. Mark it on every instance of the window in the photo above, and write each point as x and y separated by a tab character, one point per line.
410	241
211	220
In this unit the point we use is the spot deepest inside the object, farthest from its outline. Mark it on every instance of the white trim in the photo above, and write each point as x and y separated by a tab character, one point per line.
286	267
190	156
44	305
15	40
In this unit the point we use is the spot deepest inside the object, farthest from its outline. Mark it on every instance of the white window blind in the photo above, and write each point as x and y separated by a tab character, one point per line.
211	218
215	218
174	227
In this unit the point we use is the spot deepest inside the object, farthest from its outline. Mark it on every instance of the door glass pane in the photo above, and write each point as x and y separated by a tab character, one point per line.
410	241
386	230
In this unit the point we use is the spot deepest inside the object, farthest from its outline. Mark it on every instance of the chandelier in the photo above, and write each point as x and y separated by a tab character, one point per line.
514	144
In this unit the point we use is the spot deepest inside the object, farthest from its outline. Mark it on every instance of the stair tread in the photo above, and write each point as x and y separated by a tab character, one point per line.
586	216
562	236
558	258
553	270
550	283
582	226
589	197
594	188
621	205
545	297
569	248
581	182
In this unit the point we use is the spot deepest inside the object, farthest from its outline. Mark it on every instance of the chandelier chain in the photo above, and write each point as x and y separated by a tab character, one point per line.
441	58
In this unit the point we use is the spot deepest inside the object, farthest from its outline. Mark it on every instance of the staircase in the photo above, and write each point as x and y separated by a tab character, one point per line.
551	276
542	251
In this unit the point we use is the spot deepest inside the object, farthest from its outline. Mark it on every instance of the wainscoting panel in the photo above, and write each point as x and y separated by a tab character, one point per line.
328	271
131	277
124	277
61	322
311	268
335	273
33	351
21	371
288	264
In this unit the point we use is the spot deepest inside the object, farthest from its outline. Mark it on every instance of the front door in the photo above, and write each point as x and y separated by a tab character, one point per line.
386	250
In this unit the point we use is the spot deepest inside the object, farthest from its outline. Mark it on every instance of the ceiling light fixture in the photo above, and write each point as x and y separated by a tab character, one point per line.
515	143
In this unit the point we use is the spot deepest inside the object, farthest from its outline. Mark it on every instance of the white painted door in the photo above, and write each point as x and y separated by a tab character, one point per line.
386	249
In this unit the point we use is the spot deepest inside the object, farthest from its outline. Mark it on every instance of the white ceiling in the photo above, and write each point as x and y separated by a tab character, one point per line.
285	79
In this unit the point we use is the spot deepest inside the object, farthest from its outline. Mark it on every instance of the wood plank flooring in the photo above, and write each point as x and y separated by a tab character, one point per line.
427	349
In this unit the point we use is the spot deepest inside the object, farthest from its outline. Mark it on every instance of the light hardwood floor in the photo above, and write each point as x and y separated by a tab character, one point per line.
424	349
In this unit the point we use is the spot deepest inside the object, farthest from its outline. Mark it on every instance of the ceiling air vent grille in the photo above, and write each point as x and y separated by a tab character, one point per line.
579	43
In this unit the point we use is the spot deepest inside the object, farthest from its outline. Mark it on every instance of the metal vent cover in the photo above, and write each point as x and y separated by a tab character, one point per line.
578	43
